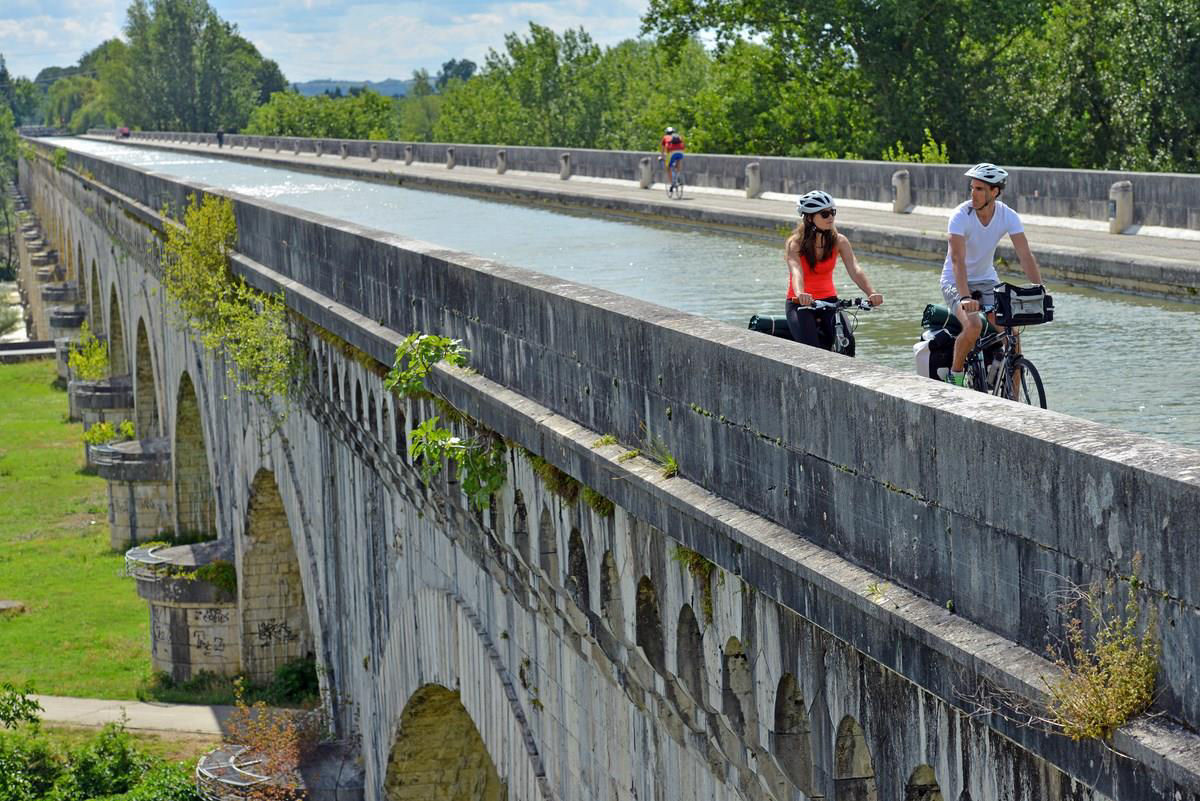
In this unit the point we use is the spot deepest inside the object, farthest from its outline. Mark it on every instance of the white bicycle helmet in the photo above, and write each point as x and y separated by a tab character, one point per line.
670	130
814	201
988	173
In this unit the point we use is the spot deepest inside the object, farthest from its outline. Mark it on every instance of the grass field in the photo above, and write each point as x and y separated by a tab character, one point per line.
85	632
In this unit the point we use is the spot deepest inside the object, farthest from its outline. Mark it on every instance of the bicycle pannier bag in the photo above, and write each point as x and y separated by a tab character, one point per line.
775	324
1022	305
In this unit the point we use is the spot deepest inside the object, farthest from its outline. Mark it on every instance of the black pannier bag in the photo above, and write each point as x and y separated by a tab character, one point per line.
775	324
1022	305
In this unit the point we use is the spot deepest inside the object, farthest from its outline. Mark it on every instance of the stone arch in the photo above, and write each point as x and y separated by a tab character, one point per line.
521	526
548	545
578	585
649	625
275	626
195	509
689	655
372	418
737	689
922	785
401	435
337	386
358	402
439	753
96	305
117	354
73	270
854	772
610	593
145	397
792	743
324	374
347	390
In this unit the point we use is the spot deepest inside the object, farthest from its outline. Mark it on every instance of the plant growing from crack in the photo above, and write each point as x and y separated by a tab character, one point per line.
479	460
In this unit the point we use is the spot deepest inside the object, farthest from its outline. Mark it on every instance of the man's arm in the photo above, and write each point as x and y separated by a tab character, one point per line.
958	259
1025	256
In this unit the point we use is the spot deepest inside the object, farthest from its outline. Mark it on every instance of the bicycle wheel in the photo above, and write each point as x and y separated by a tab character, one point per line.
976	375
1023	384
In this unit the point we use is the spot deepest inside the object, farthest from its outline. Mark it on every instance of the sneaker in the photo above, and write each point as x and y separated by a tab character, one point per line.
957	379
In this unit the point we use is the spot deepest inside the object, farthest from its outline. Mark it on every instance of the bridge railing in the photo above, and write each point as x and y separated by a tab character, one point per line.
1160	199
961	497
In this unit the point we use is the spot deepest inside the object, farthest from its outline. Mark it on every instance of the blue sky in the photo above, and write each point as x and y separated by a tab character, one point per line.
321	38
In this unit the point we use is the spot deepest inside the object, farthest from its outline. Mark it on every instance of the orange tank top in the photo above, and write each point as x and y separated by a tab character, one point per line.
817	282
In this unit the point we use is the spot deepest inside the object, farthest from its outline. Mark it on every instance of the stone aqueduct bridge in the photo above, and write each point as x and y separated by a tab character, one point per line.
586	655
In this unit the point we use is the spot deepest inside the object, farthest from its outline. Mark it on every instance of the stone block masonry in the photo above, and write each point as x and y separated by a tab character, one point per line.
560	629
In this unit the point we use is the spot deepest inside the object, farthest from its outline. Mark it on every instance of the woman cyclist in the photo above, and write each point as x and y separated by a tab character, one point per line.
812	252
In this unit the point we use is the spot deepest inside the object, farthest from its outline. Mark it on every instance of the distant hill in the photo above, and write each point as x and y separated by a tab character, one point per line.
387	88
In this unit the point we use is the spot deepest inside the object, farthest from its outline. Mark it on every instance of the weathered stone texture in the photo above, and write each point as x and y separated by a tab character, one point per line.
579	685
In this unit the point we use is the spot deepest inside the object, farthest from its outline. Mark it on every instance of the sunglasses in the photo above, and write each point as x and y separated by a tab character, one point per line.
827	213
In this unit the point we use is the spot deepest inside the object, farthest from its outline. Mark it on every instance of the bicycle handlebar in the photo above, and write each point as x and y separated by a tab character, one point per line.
845	303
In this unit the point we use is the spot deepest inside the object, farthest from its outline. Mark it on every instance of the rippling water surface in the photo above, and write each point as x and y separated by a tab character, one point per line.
1122	360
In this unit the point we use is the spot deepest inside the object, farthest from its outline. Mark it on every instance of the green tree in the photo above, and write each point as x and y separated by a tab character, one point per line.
537	92
920	64
8	171
367	115
187	69
453	70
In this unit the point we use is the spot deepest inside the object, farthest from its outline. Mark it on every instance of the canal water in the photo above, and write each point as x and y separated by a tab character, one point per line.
1122	360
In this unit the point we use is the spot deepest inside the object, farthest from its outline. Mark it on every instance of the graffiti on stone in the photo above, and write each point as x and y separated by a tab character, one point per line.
273	631
212	615
206	646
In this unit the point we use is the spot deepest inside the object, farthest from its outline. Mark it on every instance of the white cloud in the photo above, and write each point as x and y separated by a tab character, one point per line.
322	38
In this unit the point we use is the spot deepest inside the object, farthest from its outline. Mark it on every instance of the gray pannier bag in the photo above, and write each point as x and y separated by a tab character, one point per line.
1022	305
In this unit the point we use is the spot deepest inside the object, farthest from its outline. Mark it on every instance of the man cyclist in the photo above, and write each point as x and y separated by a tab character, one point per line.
975	228
671	143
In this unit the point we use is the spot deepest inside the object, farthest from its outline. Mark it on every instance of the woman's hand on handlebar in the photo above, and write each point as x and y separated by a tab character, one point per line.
875	299
804	299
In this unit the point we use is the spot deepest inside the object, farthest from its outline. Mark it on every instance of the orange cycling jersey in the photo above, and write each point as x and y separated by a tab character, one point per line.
672	142
818	281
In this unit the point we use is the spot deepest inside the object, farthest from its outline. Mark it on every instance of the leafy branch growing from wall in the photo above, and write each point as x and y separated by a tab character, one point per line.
479	460
248	327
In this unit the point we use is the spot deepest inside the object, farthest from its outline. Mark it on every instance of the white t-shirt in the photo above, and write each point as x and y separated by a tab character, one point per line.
981	240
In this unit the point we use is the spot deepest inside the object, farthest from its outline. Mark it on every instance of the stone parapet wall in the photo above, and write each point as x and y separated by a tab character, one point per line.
805	480
1166	199
856	458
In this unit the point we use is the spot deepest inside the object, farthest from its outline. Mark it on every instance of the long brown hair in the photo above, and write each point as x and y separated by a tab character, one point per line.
809	235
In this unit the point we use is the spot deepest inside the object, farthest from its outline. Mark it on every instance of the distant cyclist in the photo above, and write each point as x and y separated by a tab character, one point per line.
975	228
811	252
672	143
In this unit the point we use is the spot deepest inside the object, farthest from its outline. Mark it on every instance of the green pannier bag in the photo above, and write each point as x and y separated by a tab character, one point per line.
937	316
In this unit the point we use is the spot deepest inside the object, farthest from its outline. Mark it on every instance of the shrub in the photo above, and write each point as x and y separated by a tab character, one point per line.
104	432
109	764
16	707
220	572
29	766
88	357
1109	681
164	782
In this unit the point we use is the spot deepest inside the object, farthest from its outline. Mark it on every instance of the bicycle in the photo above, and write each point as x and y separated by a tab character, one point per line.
1007	373
675	187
